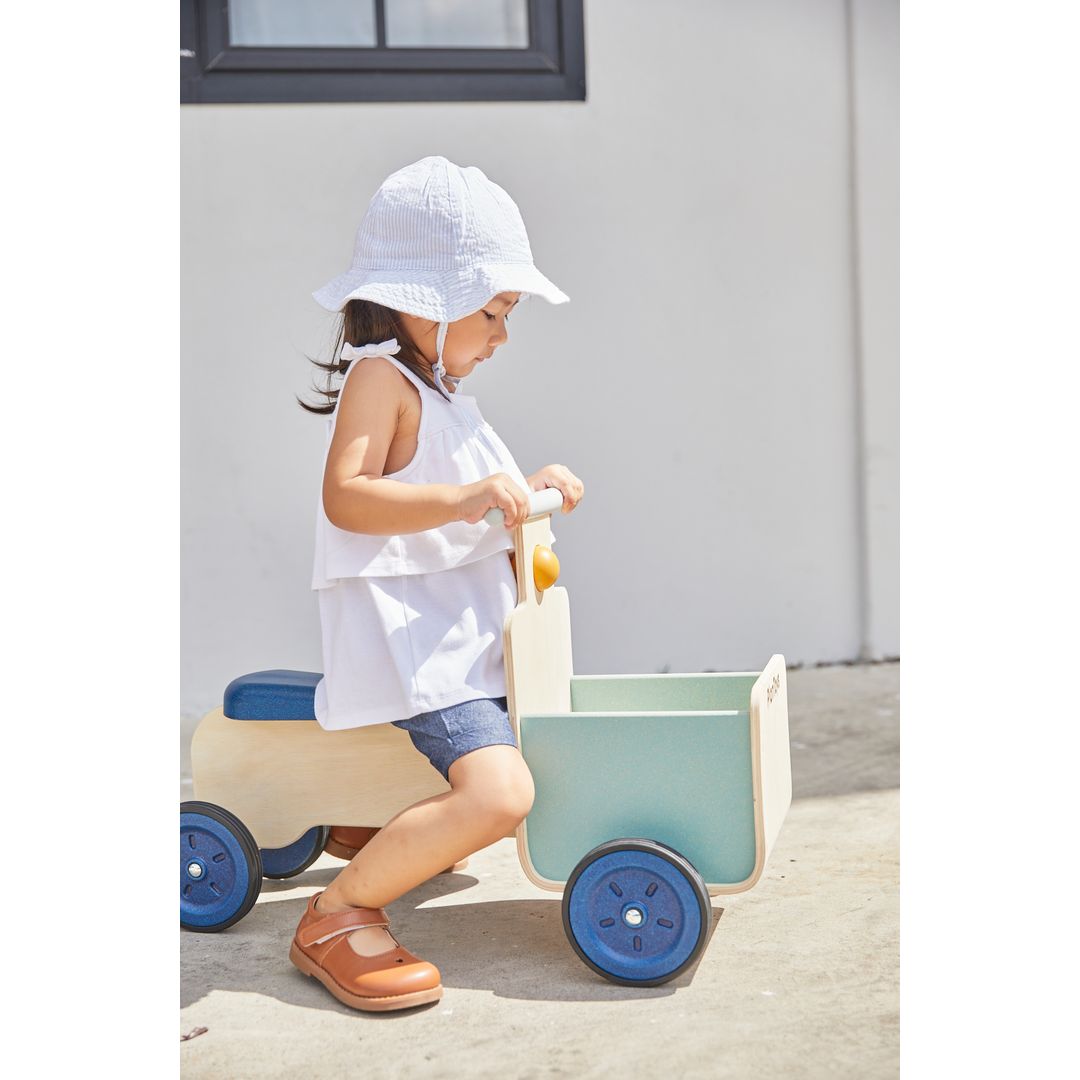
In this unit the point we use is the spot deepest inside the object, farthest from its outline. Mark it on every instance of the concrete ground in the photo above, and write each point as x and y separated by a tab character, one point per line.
800	977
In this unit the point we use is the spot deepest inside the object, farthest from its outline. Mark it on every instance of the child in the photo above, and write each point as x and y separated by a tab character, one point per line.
414	587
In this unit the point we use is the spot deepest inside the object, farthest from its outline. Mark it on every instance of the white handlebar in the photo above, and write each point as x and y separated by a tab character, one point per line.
540	502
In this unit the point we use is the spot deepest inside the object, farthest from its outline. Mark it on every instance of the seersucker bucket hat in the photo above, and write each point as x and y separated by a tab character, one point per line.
439	241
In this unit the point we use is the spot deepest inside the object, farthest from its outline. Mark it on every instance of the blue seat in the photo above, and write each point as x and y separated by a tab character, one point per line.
272	695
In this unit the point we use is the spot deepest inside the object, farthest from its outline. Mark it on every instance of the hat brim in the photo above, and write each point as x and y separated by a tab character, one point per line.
440	295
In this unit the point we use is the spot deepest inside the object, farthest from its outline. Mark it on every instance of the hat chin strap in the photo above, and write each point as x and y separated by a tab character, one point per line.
439	370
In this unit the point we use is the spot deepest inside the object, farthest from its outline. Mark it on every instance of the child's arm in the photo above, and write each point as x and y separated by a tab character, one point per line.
357	497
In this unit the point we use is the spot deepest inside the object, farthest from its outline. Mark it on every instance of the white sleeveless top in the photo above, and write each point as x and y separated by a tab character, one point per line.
414	622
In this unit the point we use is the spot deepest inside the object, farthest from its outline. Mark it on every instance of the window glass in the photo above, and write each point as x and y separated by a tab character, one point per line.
478	24
326	23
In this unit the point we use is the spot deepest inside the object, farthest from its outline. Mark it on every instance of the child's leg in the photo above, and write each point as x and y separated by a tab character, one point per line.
491	792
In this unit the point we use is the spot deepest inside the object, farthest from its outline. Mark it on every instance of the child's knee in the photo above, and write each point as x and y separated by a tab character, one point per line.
498	784
516	798
509	799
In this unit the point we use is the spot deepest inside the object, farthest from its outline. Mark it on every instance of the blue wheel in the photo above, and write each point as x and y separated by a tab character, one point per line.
636	911
220	869
286	862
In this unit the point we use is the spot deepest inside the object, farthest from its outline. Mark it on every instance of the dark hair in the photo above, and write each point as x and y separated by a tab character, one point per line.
363	322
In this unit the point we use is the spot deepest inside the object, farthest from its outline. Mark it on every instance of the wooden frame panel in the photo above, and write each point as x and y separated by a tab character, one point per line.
772	745
295	775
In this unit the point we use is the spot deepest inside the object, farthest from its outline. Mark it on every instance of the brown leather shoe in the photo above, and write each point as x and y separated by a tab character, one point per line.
346	840
394	979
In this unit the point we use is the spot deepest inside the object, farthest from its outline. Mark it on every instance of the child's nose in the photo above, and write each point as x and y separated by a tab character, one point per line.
500	335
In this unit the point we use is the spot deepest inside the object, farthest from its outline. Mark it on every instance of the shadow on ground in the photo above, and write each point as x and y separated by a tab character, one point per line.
509	948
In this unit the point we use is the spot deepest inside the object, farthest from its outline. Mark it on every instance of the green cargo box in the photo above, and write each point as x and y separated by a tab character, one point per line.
674	758
698	762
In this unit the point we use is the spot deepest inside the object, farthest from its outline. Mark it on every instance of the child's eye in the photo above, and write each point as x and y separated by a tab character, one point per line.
490	316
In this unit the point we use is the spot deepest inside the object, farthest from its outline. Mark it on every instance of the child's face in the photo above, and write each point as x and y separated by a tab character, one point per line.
469	341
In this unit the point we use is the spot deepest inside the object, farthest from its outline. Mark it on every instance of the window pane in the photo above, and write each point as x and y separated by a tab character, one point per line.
478	24
345	24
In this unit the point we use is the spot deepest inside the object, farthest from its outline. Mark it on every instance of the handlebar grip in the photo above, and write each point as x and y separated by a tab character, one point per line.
540	502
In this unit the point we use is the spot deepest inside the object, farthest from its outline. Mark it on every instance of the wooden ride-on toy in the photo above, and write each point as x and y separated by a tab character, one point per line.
653	792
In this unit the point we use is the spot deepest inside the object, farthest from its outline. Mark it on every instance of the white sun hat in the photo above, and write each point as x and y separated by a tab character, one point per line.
439	241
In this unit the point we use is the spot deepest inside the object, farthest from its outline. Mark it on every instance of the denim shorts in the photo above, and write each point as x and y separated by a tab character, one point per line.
444	735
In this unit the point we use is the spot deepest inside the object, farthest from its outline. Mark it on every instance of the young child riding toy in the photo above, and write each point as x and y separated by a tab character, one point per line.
414	586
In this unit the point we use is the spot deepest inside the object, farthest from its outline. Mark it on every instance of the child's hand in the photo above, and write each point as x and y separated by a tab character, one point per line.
500	490
559	476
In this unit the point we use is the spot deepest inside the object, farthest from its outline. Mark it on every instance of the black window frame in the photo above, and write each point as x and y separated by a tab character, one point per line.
213	71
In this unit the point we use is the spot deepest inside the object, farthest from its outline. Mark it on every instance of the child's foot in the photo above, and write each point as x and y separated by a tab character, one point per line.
390	979
369	941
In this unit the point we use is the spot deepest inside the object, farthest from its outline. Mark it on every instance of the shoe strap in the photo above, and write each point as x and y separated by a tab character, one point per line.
341	922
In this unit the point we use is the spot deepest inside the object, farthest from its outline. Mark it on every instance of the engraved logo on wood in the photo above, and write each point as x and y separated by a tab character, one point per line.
774	687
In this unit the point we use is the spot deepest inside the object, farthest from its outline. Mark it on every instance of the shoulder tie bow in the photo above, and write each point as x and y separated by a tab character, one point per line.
392	348
358	352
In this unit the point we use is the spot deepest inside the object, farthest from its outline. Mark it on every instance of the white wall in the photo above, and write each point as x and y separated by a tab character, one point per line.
710	381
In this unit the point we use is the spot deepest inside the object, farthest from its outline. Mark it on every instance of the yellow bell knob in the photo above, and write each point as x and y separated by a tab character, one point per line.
545	567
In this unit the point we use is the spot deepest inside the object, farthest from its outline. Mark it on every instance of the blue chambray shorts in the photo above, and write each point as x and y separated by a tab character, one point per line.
444	735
